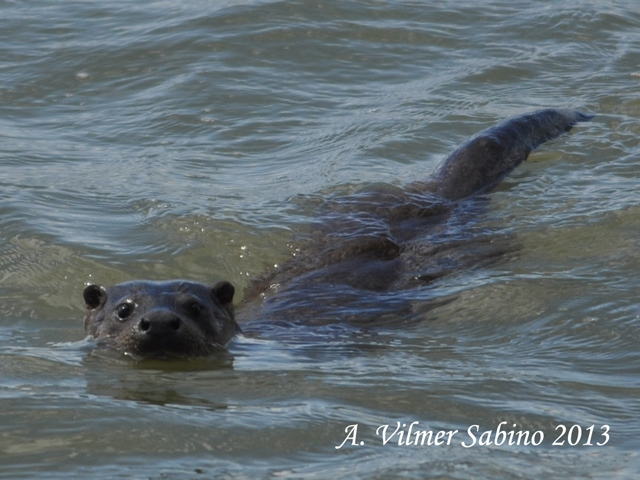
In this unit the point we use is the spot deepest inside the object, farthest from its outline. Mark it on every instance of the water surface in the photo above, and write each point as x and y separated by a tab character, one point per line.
153	140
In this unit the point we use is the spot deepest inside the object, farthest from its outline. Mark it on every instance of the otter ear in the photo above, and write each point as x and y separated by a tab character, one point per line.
94	296
222	292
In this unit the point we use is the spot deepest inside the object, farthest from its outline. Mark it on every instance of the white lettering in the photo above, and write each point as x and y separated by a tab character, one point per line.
384	433
352	432
470	433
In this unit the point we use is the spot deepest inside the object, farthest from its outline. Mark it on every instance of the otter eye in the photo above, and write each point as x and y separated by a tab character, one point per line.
195	309
124	310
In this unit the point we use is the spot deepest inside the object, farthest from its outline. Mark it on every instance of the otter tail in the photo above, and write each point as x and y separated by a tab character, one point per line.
482	162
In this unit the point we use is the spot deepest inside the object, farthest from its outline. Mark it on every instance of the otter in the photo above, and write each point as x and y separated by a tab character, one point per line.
361	247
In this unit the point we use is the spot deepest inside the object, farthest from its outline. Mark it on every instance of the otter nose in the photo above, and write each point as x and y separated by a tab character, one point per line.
159	323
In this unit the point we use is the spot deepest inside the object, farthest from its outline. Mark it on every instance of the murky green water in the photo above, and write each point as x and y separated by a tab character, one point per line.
157	140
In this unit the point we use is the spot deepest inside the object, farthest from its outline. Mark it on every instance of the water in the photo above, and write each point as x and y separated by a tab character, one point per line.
158	140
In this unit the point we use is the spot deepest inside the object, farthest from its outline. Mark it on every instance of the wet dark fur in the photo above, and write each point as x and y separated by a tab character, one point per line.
173	318
362	245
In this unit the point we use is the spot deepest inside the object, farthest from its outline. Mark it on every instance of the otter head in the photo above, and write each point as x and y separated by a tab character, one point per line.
161	319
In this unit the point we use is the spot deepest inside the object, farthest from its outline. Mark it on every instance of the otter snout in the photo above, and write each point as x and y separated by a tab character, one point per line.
159	323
